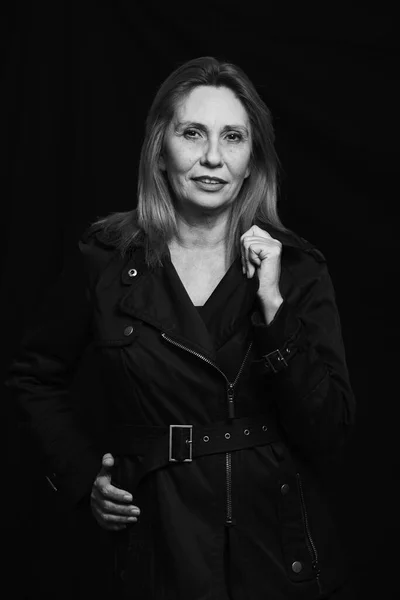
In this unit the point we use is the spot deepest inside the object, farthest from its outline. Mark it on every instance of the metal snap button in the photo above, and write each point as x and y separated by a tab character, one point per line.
128	330
297	567
132	272
206	438
284	489
227	436
246	432
264	428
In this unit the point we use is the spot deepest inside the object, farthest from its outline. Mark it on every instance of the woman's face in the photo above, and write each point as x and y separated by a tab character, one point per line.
207	148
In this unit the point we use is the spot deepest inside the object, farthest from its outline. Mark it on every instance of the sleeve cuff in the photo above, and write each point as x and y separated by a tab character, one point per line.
284	327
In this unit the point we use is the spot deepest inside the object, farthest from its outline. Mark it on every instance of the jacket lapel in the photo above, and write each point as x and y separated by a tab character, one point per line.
159	298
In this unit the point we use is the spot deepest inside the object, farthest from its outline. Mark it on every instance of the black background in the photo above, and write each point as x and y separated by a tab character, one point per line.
77	81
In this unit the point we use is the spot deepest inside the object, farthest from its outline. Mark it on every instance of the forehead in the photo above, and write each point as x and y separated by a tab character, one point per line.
208	104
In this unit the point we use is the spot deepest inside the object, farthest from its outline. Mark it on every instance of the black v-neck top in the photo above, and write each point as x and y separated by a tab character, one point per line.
201	310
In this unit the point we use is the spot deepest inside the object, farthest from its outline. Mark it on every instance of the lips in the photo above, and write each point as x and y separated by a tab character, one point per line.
205	179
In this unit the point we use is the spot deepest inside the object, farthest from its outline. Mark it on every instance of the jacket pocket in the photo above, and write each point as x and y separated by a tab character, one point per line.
299	551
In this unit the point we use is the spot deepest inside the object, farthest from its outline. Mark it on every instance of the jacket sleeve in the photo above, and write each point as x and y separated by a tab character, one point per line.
302	356
40	375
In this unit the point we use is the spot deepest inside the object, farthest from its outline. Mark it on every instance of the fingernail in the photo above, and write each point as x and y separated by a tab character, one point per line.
128	498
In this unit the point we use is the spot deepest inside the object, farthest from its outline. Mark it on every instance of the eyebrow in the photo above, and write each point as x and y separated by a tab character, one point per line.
182	124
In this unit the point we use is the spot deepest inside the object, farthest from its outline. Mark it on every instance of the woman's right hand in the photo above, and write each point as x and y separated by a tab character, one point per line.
111	506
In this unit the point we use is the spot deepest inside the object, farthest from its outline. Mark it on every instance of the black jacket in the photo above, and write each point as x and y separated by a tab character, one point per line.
255	520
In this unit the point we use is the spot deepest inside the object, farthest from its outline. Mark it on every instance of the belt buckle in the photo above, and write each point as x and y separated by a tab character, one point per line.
275	361
189	443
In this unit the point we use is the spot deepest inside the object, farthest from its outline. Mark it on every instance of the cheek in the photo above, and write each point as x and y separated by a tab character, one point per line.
179	168
239	163
180	160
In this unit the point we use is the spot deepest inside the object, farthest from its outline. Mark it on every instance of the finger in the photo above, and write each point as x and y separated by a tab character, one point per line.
242	257
245	255
107	461
101	505
252	247
110	526
248	241
258	232
254	257
110	492
111	519
253	260
108	520
120	509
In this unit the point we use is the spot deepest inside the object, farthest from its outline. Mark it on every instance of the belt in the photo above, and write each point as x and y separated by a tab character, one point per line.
162	446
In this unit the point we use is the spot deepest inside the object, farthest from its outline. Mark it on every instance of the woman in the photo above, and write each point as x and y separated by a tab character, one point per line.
219	341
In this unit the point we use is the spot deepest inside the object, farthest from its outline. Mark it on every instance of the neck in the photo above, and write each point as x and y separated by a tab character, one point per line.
201	232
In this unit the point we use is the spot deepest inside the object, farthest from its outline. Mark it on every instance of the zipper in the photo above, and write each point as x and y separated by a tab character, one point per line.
228	471
230	392
309	540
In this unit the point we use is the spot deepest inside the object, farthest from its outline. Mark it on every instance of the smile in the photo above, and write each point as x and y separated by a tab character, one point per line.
210	180
208	185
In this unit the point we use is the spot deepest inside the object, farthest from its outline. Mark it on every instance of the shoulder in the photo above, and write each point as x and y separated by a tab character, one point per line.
113	237
293	244
96	236
300	257
306	247
97	249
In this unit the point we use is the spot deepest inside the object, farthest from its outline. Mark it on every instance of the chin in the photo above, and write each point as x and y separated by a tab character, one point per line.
208	201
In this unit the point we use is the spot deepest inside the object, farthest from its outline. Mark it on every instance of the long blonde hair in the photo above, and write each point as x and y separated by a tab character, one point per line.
154	222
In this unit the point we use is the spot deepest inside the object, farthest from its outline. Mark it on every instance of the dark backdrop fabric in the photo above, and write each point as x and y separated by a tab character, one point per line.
77	81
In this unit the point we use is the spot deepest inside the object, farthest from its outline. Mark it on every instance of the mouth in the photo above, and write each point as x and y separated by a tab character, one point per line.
209	180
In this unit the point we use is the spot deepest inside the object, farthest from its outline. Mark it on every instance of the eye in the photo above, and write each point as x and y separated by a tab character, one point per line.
237	137
191	133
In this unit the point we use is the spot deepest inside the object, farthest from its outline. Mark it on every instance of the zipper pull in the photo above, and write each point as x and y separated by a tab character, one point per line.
231	405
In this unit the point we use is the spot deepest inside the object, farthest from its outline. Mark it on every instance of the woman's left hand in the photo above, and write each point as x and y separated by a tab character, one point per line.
261	253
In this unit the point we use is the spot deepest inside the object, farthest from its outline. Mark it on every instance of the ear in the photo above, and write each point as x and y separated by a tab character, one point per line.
248	171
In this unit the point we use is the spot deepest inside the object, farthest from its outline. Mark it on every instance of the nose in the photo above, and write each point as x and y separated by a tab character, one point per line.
212	154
